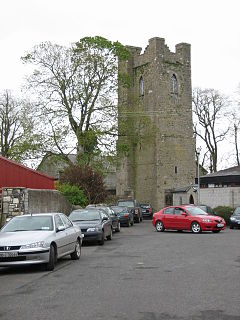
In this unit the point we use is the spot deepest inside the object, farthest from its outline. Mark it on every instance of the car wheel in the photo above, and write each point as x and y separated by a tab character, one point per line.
101	242
159	226
52	259
216	231
119	227
110	236
77	252
195	227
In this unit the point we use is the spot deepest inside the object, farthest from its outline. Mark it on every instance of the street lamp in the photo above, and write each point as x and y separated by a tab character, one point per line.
198	173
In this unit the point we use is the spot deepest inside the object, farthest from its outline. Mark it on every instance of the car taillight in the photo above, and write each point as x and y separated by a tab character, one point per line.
150	210
125	215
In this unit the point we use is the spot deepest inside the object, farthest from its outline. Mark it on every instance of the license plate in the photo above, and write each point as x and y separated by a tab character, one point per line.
8	254
220	225
144	211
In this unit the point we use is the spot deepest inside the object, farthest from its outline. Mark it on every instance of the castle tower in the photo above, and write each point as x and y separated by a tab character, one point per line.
156	147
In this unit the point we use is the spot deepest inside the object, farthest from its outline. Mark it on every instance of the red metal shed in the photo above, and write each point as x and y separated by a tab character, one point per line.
13	174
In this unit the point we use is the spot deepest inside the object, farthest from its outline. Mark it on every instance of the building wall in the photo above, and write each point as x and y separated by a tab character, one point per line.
158	125
18	201
214	197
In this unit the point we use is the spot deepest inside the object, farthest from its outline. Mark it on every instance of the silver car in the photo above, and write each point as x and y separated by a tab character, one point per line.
39	239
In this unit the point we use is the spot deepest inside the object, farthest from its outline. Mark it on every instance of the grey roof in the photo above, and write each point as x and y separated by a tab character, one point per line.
233	171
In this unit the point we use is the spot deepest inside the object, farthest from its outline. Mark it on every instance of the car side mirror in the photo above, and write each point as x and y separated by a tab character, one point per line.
60	228
183	214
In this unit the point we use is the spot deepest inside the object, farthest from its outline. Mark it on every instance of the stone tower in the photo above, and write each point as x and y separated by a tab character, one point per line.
156	147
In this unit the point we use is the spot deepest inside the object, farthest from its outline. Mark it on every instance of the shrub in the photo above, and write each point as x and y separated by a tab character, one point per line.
225	212
90	181
73	193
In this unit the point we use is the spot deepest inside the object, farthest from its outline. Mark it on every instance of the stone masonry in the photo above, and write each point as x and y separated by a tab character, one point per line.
156	147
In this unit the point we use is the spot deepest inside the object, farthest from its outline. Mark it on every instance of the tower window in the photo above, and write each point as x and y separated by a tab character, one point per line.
141	86
174	84
176	169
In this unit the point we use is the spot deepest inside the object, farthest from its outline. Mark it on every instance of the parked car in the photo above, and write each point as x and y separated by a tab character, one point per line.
95	224
133	207
116	226
147	210
207	209
125	217
187	217
235	219
39	239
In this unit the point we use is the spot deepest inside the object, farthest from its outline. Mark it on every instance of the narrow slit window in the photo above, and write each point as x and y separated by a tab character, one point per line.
141	86
174	84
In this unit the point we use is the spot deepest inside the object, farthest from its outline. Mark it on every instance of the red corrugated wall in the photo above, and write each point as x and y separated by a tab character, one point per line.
13	174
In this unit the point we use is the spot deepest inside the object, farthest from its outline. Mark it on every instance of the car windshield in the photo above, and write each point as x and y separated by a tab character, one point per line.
29	223
237	211
195	211
119	209
127	203
85	215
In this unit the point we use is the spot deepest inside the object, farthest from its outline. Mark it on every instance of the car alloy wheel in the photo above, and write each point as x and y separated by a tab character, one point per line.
159	226
119	227
77	252
52	259
195	227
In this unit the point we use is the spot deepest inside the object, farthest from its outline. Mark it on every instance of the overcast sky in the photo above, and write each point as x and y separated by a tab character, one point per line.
212	27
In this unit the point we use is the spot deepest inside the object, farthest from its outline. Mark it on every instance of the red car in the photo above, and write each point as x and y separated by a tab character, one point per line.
187	217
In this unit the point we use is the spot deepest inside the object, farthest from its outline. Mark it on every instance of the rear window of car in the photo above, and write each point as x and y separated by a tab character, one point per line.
237	211
127	203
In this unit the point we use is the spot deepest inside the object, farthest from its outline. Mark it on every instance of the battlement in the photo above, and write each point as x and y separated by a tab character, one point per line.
157	48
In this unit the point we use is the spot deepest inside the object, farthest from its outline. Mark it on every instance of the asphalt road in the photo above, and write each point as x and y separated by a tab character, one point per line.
140	274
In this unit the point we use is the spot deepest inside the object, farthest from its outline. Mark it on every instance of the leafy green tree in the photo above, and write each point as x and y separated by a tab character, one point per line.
76	90
73	193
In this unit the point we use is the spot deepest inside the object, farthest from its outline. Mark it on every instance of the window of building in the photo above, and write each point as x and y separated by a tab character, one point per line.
174	84
141	86
176	169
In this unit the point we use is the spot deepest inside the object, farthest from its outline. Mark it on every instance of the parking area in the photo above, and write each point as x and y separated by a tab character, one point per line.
141	274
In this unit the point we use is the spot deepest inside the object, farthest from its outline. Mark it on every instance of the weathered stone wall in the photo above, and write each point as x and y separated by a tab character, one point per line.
214	197
17	201
161	144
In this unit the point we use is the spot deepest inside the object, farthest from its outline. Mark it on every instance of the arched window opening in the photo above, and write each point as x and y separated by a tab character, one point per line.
174	84
141	86
191	199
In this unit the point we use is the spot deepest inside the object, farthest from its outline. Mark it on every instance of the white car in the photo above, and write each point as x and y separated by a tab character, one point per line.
39	238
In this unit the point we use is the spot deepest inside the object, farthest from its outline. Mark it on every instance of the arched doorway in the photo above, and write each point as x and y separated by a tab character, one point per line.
191	199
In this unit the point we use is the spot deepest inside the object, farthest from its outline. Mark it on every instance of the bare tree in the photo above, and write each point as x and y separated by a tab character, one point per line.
210	108
76	91
17	138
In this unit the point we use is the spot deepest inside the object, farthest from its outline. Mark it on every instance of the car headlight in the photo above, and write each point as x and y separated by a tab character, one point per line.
206	220
39	244
232	218
93	229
